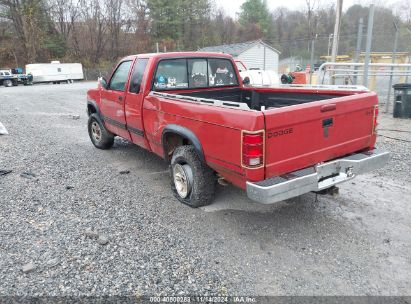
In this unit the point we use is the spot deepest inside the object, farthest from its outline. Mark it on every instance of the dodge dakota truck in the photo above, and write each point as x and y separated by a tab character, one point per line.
194	110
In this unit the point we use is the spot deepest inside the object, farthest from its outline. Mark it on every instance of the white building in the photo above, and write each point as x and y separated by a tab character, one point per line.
254	54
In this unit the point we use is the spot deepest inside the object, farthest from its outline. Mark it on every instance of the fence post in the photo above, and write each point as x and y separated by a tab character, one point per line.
358	48
368	47
394	53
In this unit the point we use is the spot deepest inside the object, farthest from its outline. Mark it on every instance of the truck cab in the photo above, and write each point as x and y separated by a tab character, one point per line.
7	78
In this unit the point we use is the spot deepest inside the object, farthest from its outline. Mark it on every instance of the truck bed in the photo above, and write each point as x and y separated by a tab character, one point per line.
269	98
303	126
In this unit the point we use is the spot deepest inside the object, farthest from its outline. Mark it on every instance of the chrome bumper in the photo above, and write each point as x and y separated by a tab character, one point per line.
317	178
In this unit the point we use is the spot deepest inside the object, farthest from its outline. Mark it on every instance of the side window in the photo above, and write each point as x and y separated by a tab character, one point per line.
240	66
119	79
137	75
171	74
221	73
197	73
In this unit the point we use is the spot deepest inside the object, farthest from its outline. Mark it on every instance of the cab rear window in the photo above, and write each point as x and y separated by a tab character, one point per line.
173	74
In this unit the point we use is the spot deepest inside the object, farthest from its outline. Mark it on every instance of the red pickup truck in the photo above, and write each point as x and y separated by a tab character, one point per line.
194	110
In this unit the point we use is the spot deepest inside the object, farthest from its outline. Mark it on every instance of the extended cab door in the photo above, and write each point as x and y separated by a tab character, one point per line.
113	98
134	103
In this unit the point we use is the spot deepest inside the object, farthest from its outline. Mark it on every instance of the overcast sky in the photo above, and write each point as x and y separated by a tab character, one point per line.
233	6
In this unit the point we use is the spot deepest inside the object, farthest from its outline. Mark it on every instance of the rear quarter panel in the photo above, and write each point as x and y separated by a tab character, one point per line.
217	128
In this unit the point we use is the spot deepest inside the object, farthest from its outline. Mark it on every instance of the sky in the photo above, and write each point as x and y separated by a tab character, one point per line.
233	6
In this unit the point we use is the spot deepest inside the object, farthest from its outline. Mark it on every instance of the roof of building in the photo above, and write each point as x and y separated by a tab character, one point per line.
236	49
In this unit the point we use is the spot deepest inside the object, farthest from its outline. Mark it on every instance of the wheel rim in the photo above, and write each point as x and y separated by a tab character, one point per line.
96	131
183	179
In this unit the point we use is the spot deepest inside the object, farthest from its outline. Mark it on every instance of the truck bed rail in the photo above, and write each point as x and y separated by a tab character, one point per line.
214	102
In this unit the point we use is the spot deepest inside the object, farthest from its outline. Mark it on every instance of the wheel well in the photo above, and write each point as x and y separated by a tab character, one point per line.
91	109
172	141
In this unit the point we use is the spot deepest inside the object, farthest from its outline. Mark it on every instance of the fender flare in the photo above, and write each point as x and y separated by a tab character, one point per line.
186	133
94	105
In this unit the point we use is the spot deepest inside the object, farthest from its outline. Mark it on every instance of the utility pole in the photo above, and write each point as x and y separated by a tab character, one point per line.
336	36
394	53
368	46
409	61
312	58
358	48
329	44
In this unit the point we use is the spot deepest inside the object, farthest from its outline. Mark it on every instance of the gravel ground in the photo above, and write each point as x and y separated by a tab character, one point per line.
75	220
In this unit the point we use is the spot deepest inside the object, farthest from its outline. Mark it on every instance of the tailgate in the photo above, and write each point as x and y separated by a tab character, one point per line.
304	135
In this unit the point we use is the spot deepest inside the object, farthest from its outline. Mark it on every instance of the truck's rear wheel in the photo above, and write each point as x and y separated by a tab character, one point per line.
193	183
99	135
7	83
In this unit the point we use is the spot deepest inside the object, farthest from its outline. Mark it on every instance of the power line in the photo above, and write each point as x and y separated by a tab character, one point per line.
341	36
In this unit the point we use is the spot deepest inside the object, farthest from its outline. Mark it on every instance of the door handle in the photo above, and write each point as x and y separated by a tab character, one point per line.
329	107
120	98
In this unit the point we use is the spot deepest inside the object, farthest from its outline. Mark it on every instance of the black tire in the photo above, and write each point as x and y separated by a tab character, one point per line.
7	83
201	178
105	139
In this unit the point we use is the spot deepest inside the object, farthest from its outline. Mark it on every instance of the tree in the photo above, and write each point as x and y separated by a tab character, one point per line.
165	18
97	32
27	17
115	22
255	16
195	18
139	23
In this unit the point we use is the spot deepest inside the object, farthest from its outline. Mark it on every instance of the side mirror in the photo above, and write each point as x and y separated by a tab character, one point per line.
246	80
102	82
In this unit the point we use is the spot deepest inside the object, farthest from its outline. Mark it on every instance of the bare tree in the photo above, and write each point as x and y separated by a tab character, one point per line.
139	25
27	22
114	24
64	13
312	5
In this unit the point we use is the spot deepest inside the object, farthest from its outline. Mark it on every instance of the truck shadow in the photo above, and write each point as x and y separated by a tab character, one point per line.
131	156
128	156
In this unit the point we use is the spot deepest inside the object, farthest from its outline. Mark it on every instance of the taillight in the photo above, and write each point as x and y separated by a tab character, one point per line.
375	123
252	149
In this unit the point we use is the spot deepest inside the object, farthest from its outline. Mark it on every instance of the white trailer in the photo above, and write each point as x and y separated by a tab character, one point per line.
55	72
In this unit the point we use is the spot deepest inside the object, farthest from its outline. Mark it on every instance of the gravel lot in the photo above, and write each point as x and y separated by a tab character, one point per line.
90	228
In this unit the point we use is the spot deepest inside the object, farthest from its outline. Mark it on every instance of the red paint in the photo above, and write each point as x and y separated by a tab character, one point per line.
294	136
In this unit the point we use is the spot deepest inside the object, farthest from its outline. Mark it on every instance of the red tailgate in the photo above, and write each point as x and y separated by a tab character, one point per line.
303	135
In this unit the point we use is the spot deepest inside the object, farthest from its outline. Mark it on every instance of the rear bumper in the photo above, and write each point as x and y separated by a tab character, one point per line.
316	178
